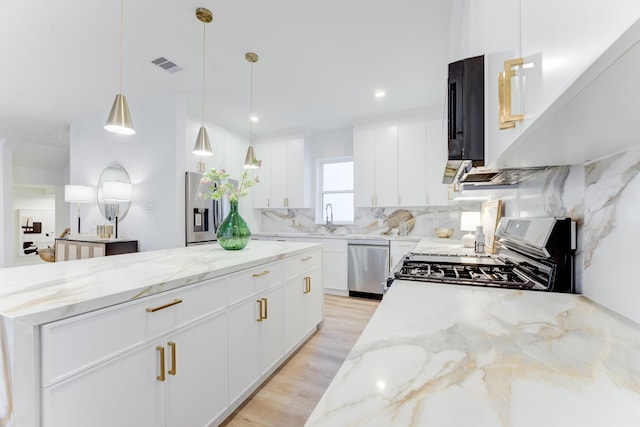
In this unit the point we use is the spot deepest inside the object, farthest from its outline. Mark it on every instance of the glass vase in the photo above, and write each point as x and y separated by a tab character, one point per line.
233	234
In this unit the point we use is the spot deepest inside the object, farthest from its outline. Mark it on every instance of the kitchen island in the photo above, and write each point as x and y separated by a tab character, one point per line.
452	355
170	337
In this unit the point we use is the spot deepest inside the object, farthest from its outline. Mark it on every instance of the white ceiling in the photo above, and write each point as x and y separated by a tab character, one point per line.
320	61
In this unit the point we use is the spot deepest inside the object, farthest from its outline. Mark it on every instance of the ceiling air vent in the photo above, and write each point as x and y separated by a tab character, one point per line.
166	65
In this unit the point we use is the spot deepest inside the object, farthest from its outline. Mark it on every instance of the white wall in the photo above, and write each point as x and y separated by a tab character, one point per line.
153	157
6	223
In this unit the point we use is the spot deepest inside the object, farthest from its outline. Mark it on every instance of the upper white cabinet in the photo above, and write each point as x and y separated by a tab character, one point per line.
399	164
375	165
566	47
283	183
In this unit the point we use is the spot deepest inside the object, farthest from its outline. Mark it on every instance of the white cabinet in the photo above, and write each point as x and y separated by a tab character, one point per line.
334	263
256	340
197	368
375	165
133	364
283	182
412	170
260	336
502	43
400	164
398	249
557	47
122	391
184	357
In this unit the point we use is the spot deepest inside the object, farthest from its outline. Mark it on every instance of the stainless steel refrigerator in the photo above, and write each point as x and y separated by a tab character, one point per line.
202	216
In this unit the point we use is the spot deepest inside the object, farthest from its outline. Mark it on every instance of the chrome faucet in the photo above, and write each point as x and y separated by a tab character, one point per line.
326	212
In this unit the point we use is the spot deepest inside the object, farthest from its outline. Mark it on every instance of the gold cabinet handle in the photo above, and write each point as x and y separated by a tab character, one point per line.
307	258
266	307
261	274
172	345
507	120
172	303
307	285
286	202
260	316
161	350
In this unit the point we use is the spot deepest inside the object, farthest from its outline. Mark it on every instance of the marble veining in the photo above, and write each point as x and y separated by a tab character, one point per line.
605	182
446	355
47	292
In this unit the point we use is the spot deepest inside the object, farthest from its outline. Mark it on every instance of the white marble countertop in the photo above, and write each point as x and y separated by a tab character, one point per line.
43	293
338	236
443	355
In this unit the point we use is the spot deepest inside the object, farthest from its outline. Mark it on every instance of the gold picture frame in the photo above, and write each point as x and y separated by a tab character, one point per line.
489	217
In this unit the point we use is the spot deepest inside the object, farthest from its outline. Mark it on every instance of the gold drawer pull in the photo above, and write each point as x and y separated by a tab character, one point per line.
172	371
261	315
266	307
307	285
507	120
307	258
161	307
261	274
161	350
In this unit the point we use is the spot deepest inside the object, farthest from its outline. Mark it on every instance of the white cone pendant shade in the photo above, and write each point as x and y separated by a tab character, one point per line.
119	120
202	147
250	161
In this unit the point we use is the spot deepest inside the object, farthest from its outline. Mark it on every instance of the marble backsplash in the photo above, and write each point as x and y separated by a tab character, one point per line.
557	191
373	221
611	232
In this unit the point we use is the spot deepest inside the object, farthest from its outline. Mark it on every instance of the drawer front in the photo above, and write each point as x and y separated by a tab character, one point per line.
300	264
251	281
72	345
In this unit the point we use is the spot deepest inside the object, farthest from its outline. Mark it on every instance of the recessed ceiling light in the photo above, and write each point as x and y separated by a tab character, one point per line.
253	118
380	94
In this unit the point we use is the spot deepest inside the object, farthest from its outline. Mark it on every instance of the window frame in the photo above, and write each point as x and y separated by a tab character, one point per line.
320	192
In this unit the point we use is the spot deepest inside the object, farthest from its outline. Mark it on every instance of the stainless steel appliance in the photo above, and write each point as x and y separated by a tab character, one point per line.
203	216
534	254
367	268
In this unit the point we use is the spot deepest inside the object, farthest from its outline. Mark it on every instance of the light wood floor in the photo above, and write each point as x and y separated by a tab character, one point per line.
289	396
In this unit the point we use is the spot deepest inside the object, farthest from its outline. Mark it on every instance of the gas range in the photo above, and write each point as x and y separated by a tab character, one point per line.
533	254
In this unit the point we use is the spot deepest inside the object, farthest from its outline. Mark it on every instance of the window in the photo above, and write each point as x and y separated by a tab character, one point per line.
335	184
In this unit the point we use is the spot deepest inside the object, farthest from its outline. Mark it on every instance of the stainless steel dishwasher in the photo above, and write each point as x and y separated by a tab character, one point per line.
368	267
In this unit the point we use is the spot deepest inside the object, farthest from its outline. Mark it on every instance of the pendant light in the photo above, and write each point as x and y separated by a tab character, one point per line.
202	146
250	161
119	120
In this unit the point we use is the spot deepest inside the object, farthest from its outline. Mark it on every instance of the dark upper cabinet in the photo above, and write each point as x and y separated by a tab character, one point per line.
466	110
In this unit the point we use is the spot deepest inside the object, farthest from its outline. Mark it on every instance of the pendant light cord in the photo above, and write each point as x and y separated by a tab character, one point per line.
204	44
121	39
251	106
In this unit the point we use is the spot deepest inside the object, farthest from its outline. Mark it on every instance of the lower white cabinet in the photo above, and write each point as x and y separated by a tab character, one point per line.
303	302
255	340
186	357
123	391
334	263
398	249
196	374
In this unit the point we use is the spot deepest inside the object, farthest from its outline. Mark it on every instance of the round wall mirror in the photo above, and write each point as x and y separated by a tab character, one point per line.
114	192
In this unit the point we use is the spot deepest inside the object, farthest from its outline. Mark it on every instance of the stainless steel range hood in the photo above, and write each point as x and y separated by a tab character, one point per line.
486	178
463	174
